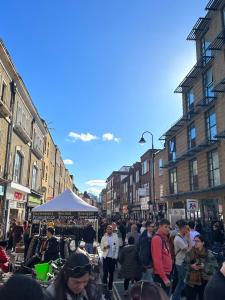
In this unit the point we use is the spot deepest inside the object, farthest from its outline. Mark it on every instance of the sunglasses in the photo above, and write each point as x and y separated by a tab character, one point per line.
80	269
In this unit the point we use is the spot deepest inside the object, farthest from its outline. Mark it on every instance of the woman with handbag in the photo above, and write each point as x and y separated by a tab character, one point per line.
201	264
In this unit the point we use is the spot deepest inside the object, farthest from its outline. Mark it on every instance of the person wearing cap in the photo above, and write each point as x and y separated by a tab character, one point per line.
110	248
4	259
74	281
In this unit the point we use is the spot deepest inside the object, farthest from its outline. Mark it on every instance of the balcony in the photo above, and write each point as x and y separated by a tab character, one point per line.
219	41
21	131
199	28
192	152
37	151
4	110
201	65
213	4
220	87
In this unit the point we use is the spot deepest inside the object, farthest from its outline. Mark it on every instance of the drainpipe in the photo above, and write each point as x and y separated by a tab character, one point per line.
7	156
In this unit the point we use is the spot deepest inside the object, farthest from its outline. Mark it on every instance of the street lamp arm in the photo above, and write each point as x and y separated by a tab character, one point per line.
146	132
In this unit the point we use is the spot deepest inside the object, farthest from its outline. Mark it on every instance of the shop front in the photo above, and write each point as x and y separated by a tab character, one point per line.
32	201
16	197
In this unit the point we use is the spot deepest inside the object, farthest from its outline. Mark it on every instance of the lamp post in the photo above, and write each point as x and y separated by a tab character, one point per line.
143	141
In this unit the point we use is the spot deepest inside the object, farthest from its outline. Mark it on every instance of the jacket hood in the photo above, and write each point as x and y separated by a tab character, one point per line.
130	248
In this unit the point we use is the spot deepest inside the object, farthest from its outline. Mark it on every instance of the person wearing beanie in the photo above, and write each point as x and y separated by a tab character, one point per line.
21	287
74	281
215	288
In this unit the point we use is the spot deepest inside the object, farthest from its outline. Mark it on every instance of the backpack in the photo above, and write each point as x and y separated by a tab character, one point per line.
144	251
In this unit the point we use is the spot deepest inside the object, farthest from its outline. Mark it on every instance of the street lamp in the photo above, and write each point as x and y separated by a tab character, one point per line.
143	141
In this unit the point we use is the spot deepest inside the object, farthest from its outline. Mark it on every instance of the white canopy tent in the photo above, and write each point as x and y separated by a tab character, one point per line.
67	202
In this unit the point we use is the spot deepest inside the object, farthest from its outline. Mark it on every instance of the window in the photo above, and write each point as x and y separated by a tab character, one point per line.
208	83
213	168
193	169
173	181
137	176
3	92
206	53
190	100
131	179
160	167
34	178
161	190
18	167
191	136
145	167
172	149
210	118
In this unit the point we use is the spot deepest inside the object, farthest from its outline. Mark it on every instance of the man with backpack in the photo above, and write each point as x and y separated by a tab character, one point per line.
144	250
161	256
181	246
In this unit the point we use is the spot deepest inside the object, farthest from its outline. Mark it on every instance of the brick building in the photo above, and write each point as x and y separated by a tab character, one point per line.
195	149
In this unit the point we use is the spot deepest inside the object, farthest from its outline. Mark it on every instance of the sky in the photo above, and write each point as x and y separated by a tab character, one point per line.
101	73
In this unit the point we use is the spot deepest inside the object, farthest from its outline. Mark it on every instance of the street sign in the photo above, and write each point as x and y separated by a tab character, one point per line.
192	205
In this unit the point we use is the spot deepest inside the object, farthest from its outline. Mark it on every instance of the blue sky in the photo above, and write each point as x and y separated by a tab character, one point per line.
98	67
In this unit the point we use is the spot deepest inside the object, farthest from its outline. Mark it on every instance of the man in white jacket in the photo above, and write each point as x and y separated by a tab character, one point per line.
110	248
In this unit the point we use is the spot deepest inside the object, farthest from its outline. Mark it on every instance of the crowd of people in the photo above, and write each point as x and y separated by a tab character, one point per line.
154	261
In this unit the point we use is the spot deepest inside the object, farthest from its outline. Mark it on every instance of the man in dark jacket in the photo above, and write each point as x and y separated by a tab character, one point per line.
89	235
215	288
144	250
52	246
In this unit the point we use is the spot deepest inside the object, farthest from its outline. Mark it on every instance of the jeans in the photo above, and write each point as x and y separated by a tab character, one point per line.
147	275
180	284
196	292
89	248
159	280
108	270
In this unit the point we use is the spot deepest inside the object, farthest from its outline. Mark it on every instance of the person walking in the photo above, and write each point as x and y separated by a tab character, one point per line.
130	264
134	233
89	235
181	247
144	251
161	256
110	248
201	264
74	281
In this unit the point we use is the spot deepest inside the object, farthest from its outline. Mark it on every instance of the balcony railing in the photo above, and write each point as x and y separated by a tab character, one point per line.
213	4
200	26
201	65
19	128
219	41
220	87
4	110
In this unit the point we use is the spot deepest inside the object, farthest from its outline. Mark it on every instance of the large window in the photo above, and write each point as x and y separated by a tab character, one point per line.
213	168
191	136
160	167
172	149
145	167
206	52
34	178
18	167
210	118
208	83
137	176
190	100
173	181
193	169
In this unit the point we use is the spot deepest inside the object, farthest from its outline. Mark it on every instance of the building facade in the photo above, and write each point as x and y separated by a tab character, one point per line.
195	146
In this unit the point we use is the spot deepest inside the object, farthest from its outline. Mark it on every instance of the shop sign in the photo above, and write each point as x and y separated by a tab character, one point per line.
16	196
192	205
143	192
2	190
177	212
33	201
12	204
144	203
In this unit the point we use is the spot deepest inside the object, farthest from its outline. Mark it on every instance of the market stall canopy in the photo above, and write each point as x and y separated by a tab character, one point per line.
67	203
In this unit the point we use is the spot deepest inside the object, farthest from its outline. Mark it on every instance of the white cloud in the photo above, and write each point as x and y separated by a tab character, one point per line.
96	183
106	137
68	162
84	137
94	191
